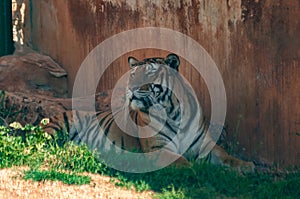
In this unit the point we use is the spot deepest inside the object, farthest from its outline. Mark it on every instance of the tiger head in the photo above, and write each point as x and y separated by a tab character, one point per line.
149	82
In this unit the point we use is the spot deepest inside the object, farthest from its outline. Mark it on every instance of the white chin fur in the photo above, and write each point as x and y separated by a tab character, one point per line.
136	105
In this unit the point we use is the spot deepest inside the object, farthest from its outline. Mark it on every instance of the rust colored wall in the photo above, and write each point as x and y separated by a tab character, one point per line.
254	43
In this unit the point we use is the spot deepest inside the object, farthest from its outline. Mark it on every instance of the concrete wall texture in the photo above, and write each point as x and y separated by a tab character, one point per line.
255	44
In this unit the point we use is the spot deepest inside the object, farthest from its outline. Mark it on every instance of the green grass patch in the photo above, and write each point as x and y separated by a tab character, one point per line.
39	149
40	175
29	146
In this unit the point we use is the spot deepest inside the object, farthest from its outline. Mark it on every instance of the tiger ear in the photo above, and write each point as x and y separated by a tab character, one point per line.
173	61
132	61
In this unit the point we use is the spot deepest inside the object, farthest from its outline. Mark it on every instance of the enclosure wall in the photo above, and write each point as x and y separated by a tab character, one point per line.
255	45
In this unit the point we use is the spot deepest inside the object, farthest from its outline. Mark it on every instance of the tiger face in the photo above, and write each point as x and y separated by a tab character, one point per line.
148	85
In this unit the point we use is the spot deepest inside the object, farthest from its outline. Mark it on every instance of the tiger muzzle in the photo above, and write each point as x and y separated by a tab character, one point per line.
140	97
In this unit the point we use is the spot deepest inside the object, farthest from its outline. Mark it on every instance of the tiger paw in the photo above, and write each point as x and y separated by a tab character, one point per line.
240	165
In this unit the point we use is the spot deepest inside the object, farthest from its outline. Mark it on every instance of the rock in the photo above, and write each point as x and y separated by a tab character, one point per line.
32	108
27	108
44	62
33	87
33	73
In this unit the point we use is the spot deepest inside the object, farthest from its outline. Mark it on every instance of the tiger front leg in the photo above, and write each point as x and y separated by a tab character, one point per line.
161	156
164	158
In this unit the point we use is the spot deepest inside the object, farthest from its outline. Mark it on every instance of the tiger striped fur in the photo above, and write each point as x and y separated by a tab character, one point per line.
151	84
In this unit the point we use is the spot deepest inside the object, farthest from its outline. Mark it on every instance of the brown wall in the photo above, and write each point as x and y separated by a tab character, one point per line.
254	43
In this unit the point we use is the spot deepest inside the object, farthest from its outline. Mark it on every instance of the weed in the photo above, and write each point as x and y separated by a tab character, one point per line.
171	193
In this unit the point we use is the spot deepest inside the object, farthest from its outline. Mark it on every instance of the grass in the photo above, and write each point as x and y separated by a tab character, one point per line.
38	149
38	175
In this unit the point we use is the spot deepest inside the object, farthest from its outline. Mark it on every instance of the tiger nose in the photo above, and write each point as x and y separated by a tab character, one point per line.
144	87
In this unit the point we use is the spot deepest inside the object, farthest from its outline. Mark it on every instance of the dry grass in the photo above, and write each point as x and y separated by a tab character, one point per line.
13	186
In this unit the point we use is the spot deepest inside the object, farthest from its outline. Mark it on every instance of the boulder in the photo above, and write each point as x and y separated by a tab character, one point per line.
33	73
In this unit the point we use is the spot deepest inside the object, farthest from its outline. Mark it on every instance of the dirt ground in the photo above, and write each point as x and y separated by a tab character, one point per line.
13	186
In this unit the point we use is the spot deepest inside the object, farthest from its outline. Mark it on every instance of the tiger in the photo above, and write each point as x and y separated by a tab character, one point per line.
183	134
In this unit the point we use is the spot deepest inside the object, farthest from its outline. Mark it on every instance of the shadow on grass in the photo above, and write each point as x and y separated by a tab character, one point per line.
209	181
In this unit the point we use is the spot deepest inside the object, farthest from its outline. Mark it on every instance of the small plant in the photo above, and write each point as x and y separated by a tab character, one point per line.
171	193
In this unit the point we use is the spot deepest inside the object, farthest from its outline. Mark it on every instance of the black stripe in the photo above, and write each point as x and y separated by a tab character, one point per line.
103	119
175	117
74	135
171	128
107	128
172	105
196	140
78	119
166	123
163	97
122	143
93	133
157	147
136	118
164	135
66	122
139	143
